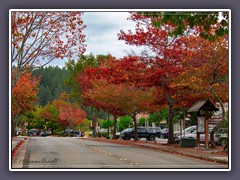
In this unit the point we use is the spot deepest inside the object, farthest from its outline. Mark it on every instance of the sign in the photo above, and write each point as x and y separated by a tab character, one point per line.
26	124
201	124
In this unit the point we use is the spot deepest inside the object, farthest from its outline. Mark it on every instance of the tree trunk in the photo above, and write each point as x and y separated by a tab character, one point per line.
94	127
223	117
114	127
212	137
13	128
170	125
135	128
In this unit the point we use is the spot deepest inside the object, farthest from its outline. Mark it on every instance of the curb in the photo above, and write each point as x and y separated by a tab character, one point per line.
18	153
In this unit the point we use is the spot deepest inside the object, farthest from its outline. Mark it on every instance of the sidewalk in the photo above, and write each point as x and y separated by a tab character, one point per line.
212	154
17	142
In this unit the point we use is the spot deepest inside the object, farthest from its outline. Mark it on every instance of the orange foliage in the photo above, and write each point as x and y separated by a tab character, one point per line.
24	94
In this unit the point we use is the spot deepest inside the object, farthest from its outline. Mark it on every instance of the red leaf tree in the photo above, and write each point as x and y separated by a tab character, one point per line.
163	60
128	98
24	94
71	115
40	37
206	69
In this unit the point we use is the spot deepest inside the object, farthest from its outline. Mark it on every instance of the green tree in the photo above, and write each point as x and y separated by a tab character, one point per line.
200	20
104	124
141	121
158	117
124	122
52	83
50	115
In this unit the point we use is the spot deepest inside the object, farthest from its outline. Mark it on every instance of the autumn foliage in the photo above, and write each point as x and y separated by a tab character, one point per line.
71	115
38	37
24	94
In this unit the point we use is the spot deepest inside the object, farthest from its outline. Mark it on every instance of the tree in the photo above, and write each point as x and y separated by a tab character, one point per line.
163	61
40	37
124	122
71	115
201	21
50	116
158	116
76	81
36	119
24	95
52	83
84	125
142	121
105	124
207	70
129	98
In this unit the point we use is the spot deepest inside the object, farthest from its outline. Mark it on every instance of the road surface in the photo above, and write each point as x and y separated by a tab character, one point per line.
69	152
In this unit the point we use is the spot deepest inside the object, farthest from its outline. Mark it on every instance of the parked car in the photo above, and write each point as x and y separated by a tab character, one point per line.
118	134
43	133
70	132
33	132
18	132
149	133
188	130
220	137
164	133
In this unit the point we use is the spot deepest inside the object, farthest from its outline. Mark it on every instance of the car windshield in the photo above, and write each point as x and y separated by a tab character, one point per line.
189	128
128	130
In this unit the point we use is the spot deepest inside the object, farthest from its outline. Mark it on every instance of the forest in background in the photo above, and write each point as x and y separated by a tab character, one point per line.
51	84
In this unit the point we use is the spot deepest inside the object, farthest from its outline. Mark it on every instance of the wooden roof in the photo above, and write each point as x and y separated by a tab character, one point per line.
202	105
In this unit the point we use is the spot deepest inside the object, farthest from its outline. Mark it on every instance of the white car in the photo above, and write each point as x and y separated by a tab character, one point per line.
219	137
188	130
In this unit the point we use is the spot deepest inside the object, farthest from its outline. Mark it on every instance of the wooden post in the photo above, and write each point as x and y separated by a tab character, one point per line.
206	129
198	139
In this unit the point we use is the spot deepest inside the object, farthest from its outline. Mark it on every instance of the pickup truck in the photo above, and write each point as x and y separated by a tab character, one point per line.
149	133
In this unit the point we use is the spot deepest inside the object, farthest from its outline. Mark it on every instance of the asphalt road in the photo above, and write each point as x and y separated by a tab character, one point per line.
67	152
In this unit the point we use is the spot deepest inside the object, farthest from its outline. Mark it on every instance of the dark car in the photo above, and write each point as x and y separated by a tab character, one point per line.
149	133
70	132
164	133
44	134
33	132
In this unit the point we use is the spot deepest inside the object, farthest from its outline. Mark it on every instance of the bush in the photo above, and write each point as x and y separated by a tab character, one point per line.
104	134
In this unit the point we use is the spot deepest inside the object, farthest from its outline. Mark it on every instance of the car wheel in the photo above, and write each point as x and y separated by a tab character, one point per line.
127	137
152	138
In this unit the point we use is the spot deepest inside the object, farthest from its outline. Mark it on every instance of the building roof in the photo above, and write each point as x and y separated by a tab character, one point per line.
202	104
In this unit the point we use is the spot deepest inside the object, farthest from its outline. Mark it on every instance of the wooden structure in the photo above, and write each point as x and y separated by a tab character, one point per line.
202	107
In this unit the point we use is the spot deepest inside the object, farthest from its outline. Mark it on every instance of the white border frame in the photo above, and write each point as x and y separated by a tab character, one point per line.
119	10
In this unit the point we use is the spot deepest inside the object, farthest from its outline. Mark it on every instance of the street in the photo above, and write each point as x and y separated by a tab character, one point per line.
68	152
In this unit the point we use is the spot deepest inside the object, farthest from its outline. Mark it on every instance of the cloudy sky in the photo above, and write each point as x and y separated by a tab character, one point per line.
101	34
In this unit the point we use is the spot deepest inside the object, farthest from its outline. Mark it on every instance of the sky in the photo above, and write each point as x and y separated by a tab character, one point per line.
101	34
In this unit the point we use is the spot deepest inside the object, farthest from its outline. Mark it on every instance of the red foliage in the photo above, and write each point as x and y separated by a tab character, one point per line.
24	94
46	35
164	60
71	114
